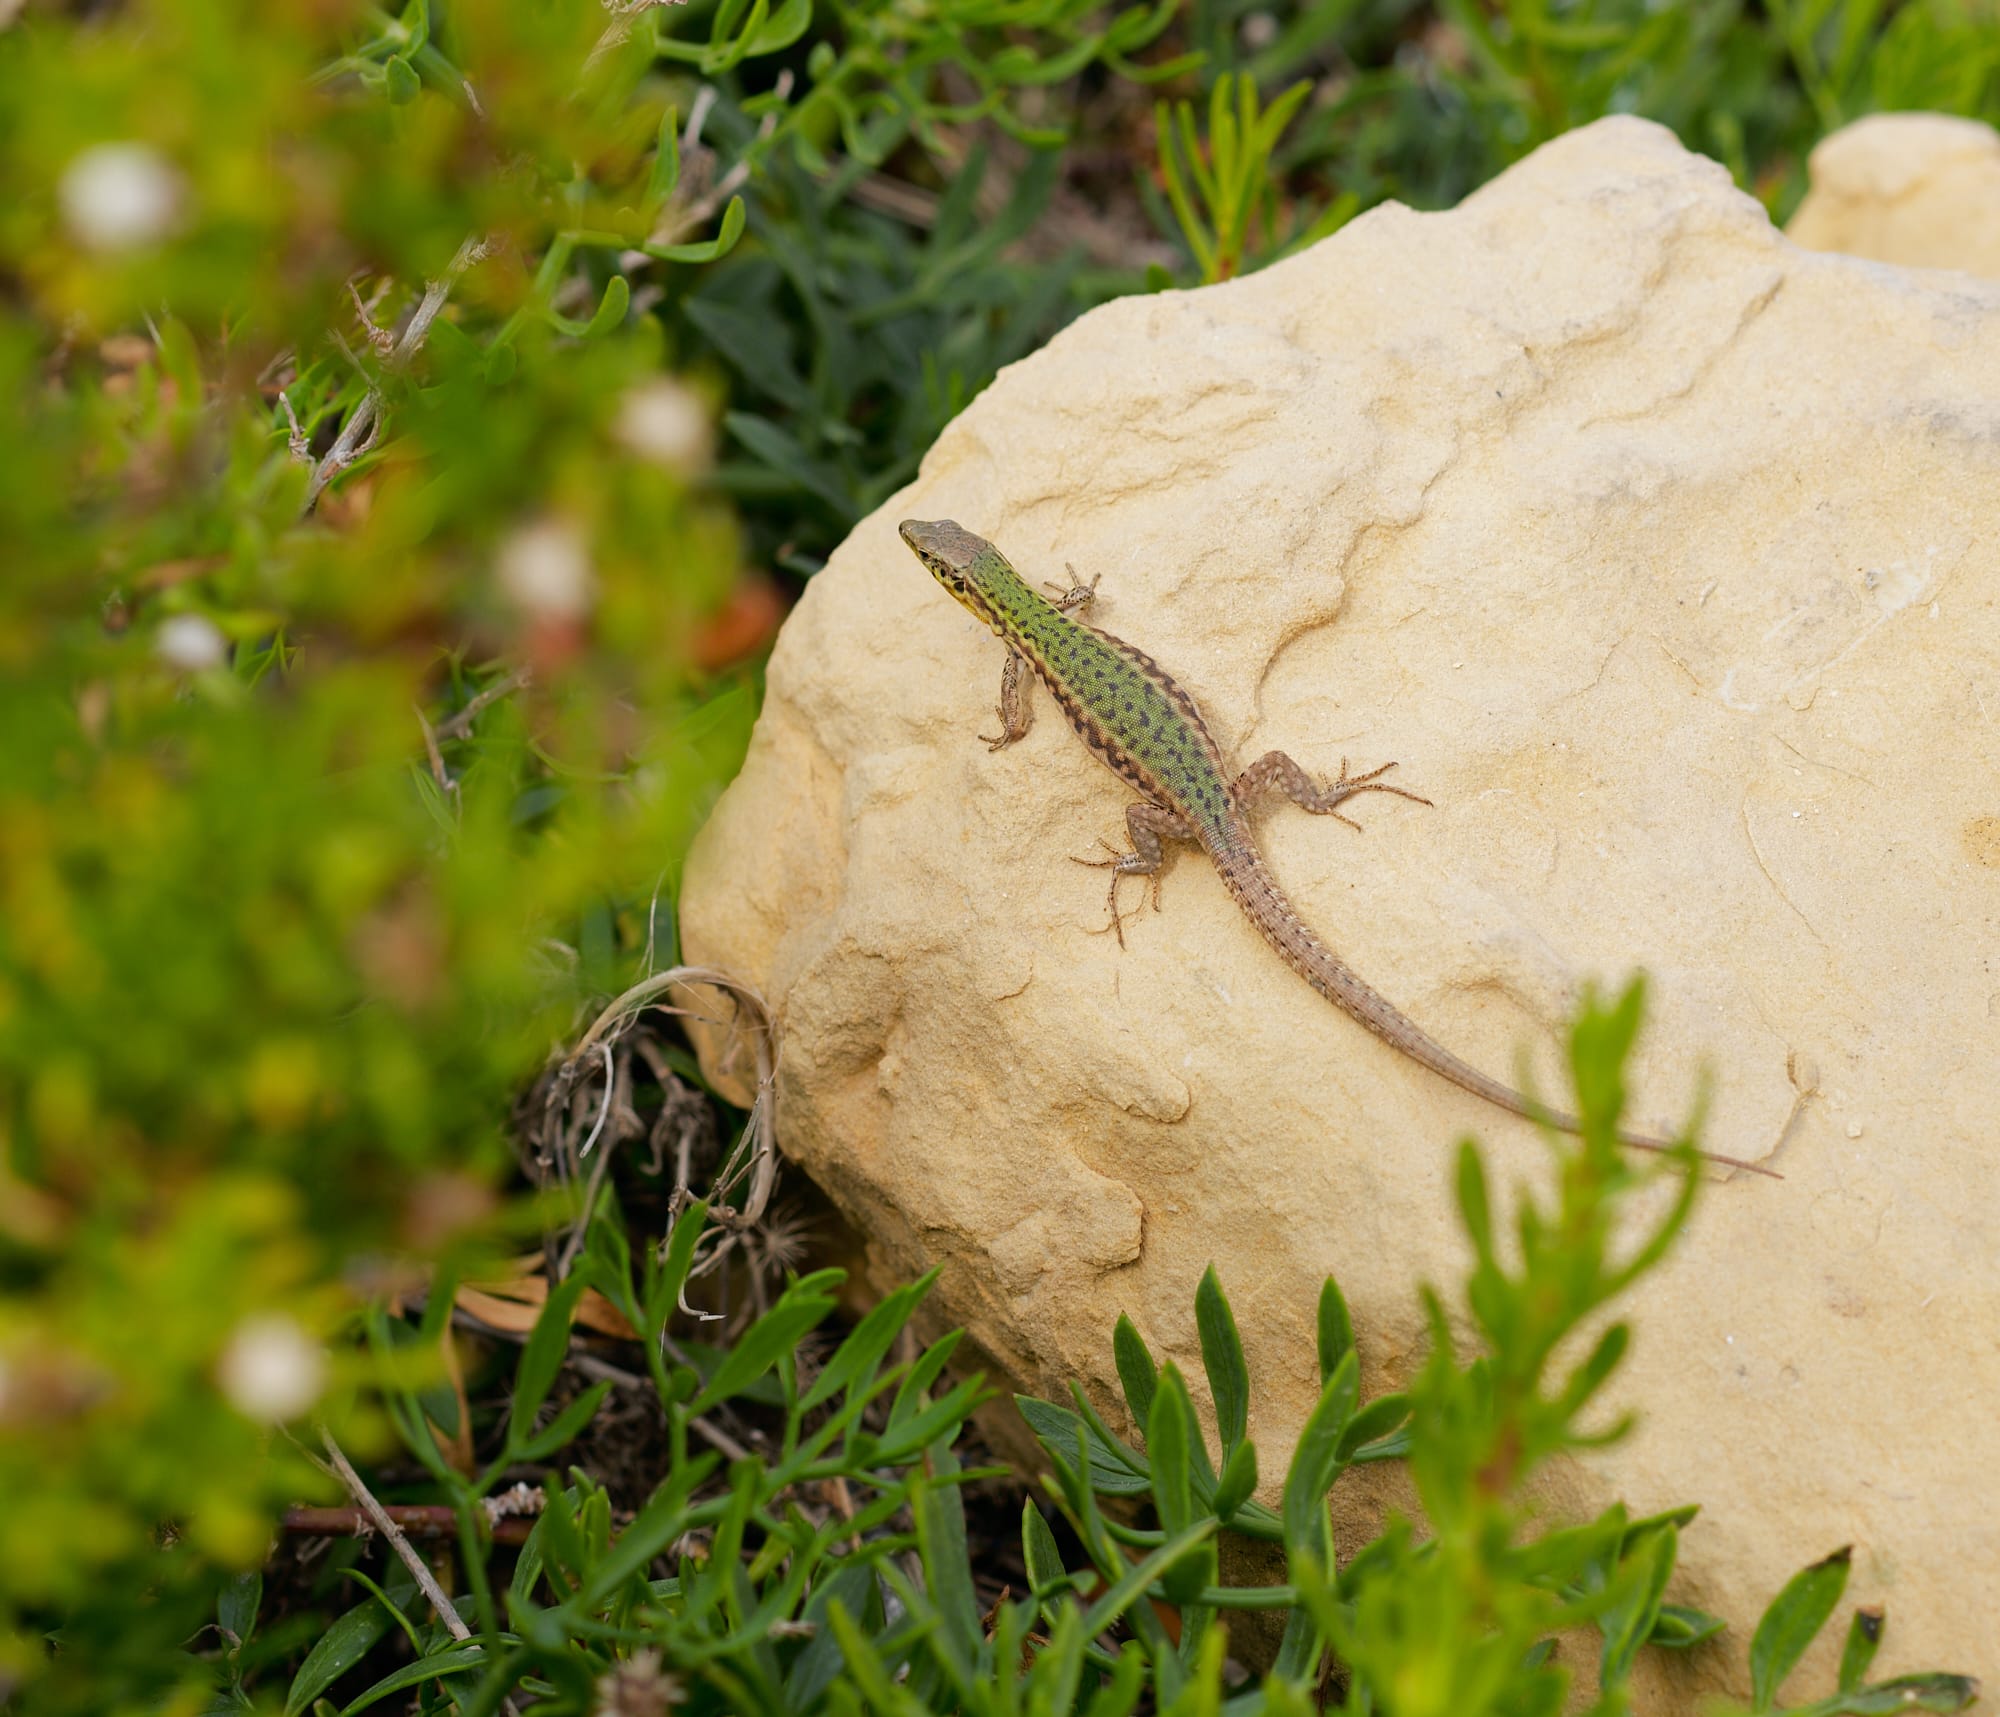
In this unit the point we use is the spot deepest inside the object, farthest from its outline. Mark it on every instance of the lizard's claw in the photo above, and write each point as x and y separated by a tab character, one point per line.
1348	785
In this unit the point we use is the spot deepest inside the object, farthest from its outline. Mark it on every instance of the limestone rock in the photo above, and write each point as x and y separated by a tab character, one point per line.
1918	189
1660	553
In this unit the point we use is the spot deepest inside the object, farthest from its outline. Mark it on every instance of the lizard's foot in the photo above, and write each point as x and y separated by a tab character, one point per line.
1274	772
1349	785
1120	865
1075	595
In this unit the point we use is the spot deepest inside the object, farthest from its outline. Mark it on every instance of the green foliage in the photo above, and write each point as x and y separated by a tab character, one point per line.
1456	1620
1426	102
765	1601
1232	177
1794	1621
365	529
851	340
270	977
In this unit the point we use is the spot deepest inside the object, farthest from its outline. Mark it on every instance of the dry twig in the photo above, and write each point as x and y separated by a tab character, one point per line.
419	1569
358	433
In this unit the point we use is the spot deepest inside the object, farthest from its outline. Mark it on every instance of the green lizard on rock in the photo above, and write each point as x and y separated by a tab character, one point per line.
1138	721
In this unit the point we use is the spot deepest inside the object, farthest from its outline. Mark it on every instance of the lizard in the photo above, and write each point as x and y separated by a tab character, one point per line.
1139	721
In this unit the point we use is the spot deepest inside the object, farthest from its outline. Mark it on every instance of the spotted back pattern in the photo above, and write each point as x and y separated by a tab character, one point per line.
1120	701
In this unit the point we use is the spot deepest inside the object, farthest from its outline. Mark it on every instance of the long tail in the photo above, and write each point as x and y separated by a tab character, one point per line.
1245	875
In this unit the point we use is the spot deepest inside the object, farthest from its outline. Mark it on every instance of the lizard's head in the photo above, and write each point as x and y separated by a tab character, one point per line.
960	561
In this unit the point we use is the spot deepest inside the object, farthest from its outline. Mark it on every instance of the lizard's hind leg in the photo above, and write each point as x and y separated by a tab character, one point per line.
1075	594
1274	772
1149	826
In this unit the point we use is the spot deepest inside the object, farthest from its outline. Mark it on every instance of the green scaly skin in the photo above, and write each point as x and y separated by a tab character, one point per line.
1143	726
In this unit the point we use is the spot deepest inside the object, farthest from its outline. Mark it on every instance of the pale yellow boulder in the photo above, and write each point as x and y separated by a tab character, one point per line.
1665	556
1918	189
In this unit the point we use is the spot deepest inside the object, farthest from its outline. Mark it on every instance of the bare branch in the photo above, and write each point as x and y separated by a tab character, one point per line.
419	1569
358	433
459	725
301	449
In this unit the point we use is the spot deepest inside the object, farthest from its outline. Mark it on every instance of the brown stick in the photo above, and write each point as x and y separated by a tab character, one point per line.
416	1520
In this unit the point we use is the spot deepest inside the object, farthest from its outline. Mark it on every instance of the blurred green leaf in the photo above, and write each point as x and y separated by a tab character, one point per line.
1792	1623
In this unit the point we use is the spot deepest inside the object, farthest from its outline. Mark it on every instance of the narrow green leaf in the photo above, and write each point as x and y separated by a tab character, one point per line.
1627	1622
236	1606
1591	1375
1864	1639
1473	1204
1167	1450
527	1566
1336	1330
902	1441
1222	1358
1316	1461
335	1652
1299	1650
854	1589
611	307
1119	1693
541	1359
928	1368
663	1289
1170	1448
1679	1626
1039	1551
666	173
1120	1596
753	341
400	81
1136	1370
1902	1693
761	1346
938	1509
782	451
1238	1481
855	1362
1057	1429
709	250
1792	1622
1372	1425
563	1547
455	1660
785	26
566	1426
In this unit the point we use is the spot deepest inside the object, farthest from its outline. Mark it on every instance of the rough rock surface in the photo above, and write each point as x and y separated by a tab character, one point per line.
1918	189
1661	553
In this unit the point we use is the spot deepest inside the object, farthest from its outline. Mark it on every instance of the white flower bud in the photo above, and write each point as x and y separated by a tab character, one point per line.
116	196
272	1371
545	569
191	642
666	424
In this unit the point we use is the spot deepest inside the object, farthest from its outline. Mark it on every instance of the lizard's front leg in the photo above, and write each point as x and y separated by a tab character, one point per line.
1149	825
1014	717
1275	772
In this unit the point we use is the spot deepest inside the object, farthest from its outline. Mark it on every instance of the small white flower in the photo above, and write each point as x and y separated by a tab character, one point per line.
272	1371
119	195
545	568
191	642
667	424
